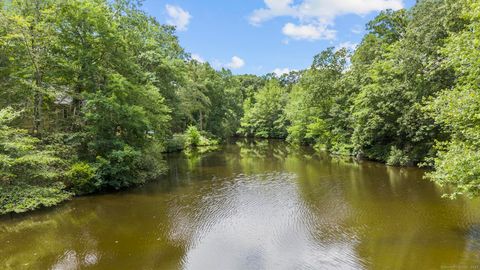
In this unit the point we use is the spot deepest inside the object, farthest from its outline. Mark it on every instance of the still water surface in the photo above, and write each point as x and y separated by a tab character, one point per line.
254	205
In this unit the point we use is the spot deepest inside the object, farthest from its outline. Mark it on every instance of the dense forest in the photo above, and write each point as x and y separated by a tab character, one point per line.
94	92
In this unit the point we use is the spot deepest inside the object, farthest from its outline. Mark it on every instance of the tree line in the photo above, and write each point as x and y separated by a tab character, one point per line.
408	95
94	91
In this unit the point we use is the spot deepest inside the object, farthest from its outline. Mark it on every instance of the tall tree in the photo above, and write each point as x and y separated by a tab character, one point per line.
312	99
28	36
458	110
264	113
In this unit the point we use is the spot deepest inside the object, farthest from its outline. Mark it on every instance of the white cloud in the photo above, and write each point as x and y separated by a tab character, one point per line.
347	45
324	10
236	63
357	29
281	71
198	58
178	17
275	8
316	16
308	31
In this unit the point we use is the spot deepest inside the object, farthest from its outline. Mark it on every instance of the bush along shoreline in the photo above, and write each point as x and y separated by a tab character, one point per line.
34	174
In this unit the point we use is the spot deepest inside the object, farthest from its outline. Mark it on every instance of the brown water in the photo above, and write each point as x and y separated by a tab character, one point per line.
254	205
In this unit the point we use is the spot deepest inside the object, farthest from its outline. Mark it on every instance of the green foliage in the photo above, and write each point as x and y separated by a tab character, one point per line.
176	143
389	25
311	109
115	84
210	100
376	110
104	89
263	115
92	79
397	157
409	96
120	168
458	110
192	136
191	139
22	157
402	70
457	165
24	197
318	131
30	177
82	178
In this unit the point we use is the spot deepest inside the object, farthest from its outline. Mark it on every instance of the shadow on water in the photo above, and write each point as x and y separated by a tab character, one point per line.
261	205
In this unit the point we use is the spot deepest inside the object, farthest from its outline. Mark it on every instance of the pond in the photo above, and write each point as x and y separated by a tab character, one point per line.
254	205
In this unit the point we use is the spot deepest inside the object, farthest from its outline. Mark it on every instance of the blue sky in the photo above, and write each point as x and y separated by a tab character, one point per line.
262	36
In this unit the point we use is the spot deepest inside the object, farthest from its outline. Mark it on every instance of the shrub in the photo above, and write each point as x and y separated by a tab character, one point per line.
398	157
176	143
21	198
120	168
207	139
192	136
82	178
457	166
342	149
30	174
